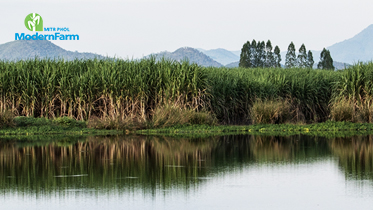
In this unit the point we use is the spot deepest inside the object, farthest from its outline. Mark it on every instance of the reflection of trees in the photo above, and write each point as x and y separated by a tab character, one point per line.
273	148
288	148
109	163
355	155
140	162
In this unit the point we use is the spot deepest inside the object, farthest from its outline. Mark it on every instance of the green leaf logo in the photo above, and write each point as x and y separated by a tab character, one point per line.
34	22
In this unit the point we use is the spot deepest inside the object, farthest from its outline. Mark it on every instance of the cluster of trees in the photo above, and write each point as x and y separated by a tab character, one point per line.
260	55
303	60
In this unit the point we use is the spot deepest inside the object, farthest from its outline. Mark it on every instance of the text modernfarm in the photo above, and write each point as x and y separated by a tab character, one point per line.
55	36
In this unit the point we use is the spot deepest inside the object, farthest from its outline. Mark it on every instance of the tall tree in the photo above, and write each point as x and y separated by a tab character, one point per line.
290	60
302	57
261	55
326	61
253	54
245	56
310	61
277	57
270	60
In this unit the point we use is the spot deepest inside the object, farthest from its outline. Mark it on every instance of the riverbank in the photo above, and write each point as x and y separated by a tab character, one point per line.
25	126
43	126
329	128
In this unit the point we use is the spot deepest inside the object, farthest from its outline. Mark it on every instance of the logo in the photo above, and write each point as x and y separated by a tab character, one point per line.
34	22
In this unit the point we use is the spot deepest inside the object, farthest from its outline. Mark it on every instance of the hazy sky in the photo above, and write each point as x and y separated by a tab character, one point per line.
133	28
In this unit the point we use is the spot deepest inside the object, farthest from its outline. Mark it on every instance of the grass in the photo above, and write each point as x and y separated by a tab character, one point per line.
270	112
329	129
62	125
172	114
82	89
138	94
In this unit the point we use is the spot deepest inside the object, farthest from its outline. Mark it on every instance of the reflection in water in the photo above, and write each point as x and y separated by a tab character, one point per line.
355	156
105	163
122	163
272	149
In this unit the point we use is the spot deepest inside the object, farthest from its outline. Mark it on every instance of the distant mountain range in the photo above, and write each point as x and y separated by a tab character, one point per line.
357	48
22	49
222	56
193	55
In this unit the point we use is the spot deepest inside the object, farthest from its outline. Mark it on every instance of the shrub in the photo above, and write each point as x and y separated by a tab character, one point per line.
118	123
172	114
270	111
23	121
6	119
365	111
343	110
202	118
70	122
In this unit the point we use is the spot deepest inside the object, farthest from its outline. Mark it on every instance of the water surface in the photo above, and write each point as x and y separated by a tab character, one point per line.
230	172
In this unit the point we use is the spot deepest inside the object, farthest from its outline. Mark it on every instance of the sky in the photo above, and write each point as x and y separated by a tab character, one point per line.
135	28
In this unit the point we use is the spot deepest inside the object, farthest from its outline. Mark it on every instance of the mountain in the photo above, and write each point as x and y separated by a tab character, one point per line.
237	52
222	56
233	64
193	55
357	48
338	65
26	49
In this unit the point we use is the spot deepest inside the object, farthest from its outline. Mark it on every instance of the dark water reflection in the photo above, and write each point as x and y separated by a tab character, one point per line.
123	164
355	156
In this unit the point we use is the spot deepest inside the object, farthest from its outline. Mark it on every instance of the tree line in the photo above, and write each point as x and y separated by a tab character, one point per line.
259	55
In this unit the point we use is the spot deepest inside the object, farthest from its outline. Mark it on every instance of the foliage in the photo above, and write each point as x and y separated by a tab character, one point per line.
328	129
343	110
233	91
326	61
127	93
82	89
63	125
173	114
259	55
302	57
67	121
310	61
245	61
6	119
277	57
117	123
270	112
269	58
290	60
353	94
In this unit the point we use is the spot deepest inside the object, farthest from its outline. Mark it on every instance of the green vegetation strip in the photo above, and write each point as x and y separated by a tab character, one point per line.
328	128
62	125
